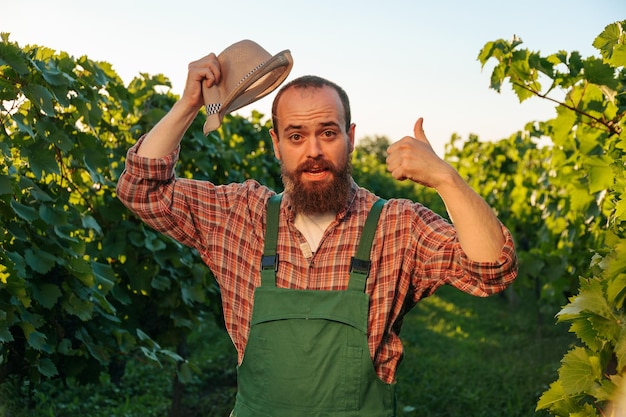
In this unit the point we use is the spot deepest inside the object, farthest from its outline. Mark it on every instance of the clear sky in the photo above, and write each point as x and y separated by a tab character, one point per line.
397	60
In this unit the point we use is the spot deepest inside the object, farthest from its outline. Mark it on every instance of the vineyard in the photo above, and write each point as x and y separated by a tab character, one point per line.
85	286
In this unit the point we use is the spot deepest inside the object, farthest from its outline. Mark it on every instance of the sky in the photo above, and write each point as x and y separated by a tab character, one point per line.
397	60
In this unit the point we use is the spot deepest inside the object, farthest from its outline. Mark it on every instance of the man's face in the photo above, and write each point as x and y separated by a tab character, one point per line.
314	148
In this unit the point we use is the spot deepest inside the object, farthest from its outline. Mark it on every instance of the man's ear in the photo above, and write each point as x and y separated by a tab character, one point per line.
351	132
275	143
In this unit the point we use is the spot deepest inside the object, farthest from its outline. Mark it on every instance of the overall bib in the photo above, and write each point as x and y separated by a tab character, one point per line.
307	352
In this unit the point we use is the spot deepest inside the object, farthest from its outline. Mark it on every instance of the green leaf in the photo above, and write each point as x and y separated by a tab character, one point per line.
552	396
616	290
620	209
611	43
41	97
17	289
497	77
81	269
105	276
583	329
12	56
600	173
5	334
53	215
586	410
16	229
620	348
6	185
193	294
581	199
579	371
19	265
35	191
150	354
80	308
590	299
143	336
608	329
42	160
65	348
617	261
555	400
90	223
24	124
562	126
121	295
161	282
47	368
125	341
108	308
96	161
171	354
66	232
56	77
40	261
599	73
46	294
36	320
36	340
25	212
98	352
184	373
154	243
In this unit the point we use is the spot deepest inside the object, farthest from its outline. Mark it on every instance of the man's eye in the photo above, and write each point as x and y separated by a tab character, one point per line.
295	137
329	133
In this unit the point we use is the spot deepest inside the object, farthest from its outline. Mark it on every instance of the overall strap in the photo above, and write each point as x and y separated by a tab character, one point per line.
269	261
360	264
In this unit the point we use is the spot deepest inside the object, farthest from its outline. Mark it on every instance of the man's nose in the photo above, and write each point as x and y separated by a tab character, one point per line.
314	148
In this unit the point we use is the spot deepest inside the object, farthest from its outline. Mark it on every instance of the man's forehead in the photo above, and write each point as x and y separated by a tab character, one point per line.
321	105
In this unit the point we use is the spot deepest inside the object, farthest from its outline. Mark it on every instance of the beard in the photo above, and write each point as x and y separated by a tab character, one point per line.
318	197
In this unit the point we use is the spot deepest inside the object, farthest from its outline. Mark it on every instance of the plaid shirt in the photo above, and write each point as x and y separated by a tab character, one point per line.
414	250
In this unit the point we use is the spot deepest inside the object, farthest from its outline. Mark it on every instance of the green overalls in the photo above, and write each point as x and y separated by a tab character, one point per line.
307	352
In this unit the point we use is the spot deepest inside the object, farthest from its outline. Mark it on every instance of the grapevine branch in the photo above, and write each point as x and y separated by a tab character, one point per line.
613	128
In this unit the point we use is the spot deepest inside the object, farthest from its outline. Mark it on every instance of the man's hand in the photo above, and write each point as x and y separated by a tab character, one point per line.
478	229
168	133
413	158
205	71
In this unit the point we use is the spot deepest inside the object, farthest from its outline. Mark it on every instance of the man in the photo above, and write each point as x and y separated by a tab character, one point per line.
318	334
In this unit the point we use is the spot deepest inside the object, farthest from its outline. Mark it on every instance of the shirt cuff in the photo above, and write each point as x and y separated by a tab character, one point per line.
157	169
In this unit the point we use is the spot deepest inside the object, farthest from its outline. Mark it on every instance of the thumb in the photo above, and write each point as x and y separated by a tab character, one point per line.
418	130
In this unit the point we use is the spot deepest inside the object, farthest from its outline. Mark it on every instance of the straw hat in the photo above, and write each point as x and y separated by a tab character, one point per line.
249	73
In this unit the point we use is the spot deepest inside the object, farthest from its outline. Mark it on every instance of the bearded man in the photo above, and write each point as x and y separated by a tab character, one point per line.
315	282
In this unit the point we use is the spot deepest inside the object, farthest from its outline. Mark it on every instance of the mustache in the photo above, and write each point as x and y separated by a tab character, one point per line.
316	163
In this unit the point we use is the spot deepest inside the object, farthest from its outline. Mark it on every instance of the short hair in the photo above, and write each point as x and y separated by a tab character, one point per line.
313	81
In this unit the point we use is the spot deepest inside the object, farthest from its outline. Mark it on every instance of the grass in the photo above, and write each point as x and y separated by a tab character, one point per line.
468	356
464	356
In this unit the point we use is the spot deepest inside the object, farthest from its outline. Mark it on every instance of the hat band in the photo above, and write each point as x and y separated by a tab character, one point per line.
248	75
213	108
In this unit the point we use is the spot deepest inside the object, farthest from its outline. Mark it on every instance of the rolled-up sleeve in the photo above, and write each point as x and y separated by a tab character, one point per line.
486	278
440	260
149	188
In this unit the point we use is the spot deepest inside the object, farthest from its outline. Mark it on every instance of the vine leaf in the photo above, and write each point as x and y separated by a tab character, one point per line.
577	367
590	299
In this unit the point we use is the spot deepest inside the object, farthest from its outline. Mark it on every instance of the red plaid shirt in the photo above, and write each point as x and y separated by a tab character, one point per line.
414	252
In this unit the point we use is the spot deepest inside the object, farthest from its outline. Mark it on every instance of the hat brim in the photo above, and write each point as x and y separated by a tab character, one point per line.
257	84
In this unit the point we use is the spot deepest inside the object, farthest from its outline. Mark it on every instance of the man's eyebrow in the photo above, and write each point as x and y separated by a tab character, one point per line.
293	127
329	124
322	124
